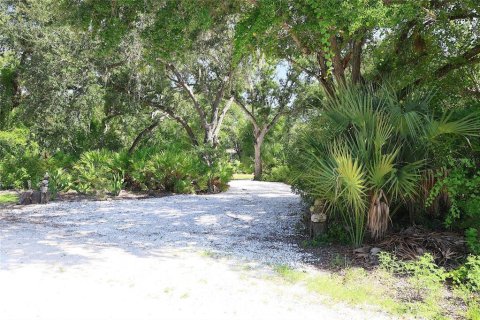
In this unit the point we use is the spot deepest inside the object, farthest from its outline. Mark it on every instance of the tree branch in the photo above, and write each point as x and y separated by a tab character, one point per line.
247	112
179	119
470	56
295	39
219	96
144	132
274	120
191	94
222	115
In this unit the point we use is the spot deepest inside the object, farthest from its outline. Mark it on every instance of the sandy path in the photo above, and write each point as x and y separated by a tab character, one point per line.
179	257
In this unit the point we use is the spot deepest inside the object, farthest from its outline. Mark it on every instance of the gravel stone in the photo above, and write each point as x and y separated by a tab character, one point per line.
176	257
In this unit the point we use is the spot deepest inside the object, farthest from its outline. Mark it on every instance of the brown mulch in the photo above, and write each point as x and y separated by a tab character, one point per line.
408	244
447	248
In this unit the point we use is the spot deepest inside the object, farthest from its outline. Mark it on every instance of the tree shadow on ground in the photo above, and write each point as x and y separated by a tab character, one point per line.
252	225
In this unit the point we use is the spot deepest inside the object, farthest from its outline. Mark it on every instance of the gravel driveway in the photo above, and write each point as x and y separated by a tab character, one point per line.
178	257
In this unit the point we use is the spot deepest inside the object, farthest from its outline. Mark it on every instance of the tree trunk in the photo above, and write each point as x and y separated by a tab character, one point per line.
356	61
258	161
257	175
338	69
142	134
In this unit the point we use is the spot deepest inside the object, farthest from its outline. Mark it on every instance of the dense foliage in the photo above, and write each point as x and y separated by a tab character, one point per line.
370	106
371	155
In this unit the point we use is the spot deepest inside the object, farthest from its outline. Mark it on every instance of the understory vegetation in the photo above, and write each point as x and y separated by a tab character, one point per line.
173	168
370	109
414	288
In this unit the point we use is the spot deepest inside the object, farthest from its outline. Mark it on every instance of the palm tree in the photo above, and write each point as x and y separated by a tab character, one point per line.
376	153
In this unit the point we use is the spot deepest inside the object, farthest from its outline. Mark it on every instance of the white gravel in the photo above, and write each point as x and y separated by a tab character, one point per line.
178	257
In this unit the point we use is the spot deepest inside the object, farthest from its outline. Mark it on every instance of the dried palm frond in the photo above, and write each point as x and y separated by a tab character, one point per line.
378	215
429	179
414	242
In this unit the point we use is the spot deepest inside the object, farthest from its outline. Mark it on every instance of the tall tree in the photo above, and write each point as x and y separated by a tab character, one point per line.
271	93
193	43
51	79
333	39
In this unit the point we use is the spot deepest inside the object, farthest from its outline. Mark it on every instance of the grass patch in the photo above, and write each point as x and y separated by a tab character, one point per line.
208	254
357	287
242	176
8	198
290	274
473	311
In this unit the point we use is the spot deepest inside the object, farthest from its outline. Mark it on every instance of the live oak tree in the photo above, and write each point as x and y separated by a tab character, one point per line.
339	41
193	43
269	95
203	80
48	76
324	38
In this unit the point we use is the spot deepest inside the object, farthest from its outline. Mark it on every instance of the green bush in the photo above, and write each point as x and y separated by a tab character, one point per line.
20	160
280	173
16	171
468	274
220	173
98	172
461	184
473	241
366	153
60	180
173	171
178	168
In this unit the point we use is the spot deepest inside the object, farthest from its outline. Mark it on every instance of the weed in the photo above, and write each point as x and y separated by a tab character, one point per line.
8	198
388	262
340	262
354	287
290	274
208	254
468	275
473	311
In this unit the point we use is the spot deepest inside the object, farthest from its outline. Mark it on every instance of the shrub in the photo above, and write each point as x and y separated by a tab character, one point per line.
98	172
60	180
461	184
473	241
136	175
178	168
369	154
171	170
280	173
220	173
468	274
16	171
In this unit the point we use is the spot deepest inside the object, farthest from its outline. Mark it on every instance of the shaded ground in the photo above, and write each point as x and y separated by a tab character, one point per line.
204	256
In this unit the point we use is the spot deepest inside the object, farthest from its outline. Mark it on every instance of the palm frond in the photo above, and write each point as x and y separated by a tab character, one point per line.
468	126
351	177
381	168
404	181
